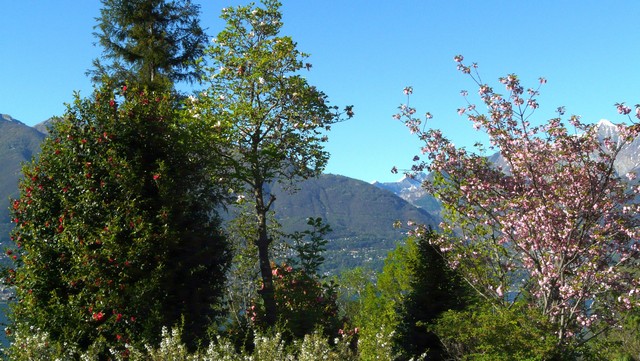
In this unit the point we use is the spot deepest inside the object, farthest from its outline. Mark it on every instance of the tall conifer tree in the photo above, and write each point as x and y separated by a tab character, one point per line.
434	289
150	42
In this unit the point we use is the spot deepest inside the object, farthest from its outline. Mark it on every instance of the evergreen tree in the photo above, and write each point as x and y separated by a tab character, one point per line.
150	42
434	289
115	233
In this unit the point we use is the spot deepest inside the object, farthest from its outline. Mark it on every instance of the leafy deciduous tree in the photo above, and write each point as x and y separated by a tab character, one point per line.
115	232
485	332
378	317
270	120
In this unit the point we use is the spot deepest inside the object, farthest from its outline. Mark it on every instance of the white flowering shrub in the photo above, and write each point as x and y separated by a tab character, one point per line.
377	344
315	347
222	350
36	346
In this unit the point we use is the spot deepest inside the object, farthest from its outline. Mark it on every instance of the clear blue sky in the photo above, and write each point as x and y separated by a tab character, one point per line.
364	52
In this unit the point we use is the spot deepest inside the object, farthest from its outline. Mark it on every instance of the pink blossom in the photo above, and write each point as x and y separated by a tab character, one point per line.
623	109
555	200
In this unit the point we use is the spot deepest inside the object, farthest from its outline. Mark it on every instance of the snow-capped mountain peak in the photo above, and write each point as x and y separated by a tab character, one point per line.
605	123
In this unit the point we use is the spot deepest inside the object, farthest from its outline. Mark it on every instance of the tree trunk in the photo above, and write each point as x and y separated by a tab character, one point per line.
263	241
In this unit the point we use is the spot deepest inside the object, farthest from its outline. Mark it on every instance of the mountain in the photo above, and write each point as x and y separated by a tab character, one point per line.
410	189
18	143
352	207
43	127
628	159
360	214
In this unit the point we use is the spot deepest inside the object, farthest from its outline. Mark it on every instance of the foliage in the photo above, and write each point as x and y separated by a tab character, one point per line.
485	332
115	231
38	346
556	225
309	253
265	120
305	303
622	341
434	289
305	300
351	287
378	318
150	42
242	278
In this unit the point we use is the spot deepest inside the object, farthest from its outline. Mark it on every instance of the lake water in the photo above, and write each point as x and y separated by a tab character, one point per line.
4	342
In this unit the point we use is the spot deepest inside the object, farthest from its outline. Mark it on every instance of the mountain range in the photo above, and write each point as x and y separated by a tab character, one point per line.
360	214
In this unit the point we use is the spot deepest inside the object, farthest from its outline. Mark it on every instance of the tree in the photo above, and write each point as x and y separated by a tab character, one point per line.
484	332
556	225
309	302
378	318
150	42
351	289
116	234
434	289
266	120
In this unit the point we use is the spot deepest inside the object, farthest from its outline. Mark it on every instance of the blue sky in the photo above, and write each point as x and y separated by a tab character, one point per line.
364	52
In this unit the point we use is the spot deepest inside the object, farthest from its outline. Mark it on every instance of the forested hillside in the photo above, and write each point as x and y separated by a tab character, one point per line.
18	143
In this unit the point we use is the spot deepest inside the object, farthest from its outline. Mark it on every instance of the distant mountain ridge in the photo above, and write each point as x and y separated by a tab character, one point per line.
410	189
18	144
628	160
360	215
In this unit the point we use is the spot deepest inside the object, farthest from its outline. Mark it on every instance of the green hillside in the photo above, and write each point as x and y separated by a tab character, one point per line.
18	143
360	214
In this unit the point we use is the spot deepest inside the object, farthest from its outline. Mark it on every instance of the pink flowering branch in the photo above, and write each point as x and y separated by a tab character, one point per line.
552	220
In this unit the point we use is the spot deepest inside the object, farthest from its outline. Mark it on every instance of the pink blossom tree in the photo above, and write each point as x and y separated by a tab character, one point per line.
552	223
